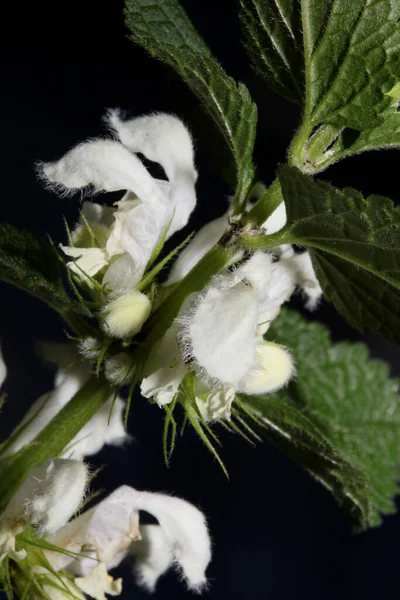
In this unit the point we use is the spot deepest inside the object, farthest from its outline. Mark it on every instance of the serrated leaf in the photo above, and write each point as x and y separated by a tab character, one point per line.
31	264
164	30
354	244
351	400
352	68
272	36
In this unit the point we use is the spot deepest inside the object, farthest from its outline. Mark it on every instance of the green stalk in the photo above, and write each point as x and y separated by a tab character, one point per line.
52	440
265	205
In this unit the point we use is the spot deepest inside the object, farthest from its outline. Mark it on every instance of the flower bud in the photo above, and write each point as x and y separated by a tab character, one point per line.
124	315
273	371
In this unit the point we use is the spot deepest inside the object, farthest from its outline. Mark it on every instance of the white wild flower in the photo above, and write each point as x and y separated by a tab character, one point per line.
125	243
110	532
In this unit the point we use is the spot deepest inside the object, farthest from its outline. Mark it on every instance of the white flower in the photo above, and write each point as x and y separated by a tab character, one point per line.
109	532
164	139
149	205
99	430
47	498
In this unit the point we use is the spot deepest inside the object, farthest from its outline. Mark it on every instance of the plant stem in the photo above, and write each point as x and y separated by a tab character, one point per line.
265	205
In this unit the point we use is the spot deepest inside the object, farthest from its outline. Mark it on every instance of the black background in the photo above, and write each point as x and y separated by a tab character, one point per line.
277	534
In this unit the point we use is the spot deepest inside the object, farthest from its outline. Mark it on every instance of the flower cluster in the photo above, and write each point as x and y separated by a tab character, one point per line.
213	346
77	554
219	332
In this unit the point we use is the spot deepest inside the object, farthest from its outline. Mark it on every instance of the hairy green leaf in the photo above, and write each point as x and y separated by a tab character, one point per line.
354	244
272	36
352	71
164	30
353	404
31	264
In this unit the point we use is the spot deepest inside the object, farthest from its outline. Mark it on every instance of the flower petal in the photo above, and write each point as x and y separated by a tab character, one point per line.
215	403
50	494
98	583
104	164
153	556
3	368
219	334
89	260
185	531
276	221
202	242
109	528
164	139
136	230
306	279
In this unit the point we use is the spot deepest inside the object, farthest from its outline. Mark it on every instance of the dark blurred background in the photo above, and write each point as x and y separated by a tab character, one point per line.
277	533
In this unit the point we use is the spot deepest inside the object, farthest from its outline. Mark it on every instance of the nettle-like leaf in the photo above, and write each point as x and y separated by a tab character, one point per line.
354	244
341	414
273	39
351	60
31	264
164	30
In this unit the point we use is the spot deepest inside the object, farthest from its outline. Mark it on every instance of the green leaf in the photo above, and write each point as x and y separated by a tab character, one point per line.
352	70
354	244
31	264
352	403
164	30
272	36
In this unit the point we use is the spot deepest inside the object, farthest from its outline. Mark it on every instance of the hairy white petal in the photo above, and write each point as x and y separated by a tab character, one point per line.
50	494
125	315
164	370
220	332
306	279
109	527
137	229
215	403
274	370
185	530
202	242
3	368
98	583
276	221
123	273
105	165
163	384
153	556
281	283
89	260
101	429
164	139
257	273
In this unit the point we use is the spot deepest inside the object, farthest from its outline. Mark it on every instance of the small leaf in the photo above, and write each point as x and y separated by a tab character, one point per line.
163	29
345	407
31	264
354	244
272	36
